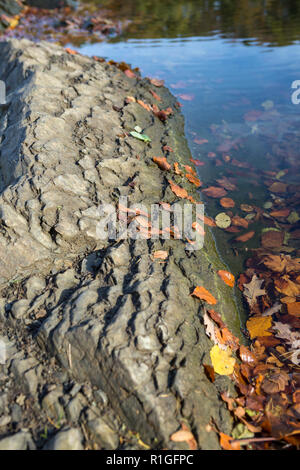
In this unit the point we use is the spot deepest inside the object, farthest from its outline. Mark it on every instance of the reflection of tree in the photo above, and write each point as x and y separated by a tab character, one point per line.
273	21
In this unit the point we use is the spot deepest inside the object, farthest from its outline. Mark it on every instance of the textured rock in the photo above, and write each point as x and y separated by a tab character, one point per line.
20	441
67	439
111	314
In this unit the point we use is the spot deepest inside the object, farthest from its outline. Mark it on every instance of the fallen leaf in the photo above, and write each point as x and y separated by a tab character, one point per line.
278	187
222	360
239	221
130	74
155	95
294	309
192	179
160	254
214	191
227	202
245	237
162	163
258	326
253	289
223	220
178	191
156	82
225	442
197	162
186	97
200	141
272	239
227	277
204	294
144	105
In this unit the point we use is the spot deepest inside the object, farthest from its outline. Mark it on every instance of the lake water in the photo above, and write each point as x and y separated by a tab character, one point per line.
231	65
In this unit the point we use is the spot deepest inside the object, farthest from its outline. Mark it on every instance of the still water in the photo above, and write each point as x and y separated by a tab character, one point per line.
231	64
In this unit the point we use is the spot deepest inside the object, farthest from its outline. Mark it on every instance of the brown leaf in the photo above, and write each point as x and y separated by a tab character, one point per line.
156	82
227	202
272	239
214	191
162	163
245	237
178	191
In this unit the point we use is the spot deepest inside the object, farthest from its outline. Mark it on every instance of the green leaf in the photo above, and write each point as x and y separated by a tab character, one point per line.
139	136
241	432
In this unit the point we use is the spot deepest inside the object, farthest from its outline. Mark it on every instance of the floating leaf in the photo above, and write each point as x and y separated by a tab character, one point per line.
214	191
225	442
245	237
227	202
223	220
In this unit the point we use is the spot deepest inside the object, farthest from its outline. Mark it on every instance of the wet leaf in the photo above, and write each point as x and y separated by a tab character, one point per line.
214	191
272	239
223	220
227	202
204	294
253	290
245	237
200	141
130	74
192	179
178	191
227	277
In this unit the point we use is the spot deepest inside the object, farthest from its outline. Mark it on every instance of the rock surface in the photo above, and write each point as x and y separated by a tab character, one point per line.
102	313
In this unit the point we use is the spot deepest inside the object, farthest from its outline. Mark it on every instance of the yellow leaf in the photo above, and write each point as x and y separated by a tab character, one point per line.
222	360
258	326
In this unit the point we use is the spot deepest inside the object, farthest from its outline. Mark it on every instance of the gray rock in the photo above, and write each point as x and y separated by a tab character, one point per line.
102	434
67	439
20	308
20	441
34	286
75	407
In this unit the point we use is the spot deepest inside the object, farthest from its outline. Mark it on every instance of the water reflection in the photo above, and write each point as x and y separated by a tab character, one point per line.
276	22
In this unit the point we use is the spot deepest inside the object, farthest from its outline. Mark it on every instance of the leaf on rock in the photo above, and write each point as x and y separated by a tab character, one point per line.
162	163
178	191
204	294
227	277
222	360
225	442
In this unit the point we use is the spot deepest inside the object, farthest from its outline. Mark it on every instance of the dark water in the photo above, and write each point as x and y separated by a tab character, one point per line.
231	64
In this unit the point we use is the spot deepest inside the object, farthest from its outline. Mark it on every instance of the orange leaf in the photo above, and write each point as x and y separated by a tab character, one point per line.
197	162
70	51
227	277
194	180
280	213
198	228
227	202
144	105
160	254
258	326
214	191
155	95
178	191
162	163
245	237
294	309
157	82
239	221
204	294
176	169
130	74
225	442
